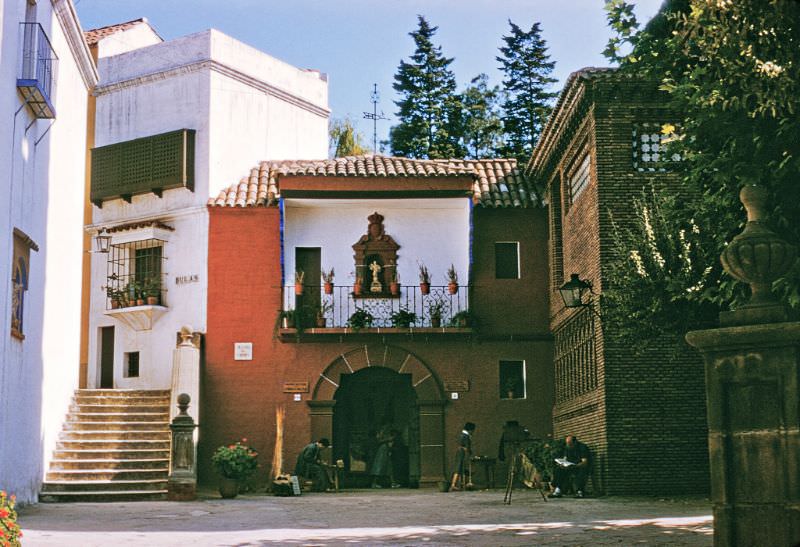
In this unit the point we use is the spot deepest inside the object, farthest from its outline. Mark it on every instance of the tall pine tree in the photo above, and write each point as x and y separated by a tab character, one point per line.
482	125
429	108
526	68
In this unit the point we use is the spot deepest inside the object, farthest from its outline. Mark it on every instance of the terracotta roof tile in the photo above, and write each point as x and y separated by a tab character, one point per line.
95	35
497	182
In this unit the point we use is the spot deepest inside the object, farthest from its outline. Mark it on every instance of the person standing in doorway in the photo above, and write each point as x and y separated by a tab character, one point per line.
463	455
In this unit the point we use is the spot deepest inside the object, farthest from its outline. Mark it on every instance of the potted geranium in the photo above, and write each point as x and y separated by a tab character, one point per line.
327	280
299	276
234	462
452	280
424	279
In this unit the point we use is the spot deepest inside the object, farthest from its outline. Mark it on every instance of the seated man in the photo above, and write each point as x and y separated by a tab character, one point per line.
310	467
573	465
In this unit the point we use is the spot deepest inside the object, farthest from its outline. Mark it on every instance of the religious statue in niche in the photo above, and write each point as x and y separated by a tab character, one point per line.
376	258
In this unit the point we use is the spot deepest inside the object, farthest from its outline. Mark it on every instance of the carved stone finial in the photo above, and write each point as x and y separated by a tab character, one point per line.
757	256
183	403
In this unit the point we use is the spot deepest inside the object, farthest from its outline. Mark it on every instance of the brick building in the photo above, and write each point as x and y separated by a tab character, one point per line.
644	416
376	217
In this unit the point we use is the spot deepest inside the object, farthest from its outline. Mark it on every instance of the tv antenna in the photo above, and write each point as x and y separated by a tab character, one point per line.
374	116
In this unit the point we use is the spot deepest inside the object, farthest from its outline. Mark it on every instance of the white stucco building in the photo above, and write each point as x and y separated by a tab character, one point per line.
46	73
176	121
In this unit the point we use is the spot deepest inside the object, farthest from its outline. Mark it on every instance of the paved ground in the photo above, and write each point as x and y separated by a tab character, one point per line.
373	517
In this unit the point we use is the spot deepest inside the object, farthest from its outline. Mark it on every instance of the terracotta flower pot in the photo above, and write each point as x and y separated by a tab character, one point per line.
452	288
425	288
228	488
394	288
357	289
152	300
114	304
140	301
298	289
328	288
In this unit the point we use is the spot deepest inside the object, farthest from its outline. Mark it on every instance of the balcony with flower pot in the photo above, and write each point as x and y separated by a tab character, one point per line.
337	310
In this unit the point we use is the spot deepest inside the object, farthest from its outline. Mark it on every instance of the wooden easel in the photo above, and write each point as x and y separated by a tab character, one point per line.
515	464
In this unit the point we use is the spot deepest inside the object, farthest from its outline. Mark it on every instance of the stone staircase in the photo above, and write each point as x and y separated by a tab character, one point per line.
114	447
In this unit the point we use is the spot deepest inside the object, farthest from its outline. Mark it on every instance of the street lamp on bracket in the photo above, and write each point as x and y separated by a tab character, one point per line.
573	290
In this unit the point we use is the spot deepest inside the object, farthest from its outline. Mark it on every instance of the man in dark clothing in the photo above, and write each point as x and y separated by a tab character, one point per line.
310	467
574	465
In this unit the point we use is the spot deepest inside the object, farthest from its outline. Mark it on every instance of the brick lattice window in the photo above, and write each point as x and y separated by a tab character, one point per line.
579	177
575	356
650	147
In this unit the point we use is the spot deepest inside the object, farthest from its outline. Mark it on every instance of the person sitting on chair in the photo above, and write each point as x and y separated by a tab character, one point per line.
573	465
310	466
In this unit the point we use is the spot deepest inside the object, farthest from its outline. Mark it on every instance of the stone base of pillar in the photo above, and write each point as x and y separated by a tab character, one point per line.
181	490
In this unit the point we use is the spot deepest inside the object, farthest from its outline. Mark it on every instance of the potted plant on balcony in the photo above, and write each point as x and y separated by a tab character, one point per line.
403	318
358	283
288	318
234	462
394	283
452	280
327	279
360	319
299	276
461	320
152	290
424	279
115	296
436	310
323	309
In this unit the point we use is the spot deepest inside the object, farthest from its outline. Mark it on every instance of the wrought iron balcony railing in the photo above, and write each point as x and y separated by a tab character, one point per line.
411	307
38	64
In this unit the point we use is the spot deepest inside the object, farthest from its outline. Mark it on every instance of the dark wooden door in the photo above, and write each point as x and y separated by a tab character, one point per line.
106	357
308	259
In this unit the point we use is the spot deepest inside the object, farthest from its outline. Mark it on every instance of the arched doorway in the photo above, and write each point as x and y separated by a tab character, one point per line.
418	406
374	403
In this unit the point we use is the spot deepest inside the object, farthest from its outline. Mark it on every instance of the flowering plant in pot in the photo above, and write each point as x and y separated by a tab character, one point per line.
10	531
299	276
234	462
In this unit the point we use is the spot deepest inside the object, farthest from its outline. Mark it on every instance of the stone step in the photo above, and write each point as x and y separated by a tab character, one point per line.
111	453
112	475
85	408
103	496
50	486
115	426
107	464
116	434
133	400
123	392
74	417
123	445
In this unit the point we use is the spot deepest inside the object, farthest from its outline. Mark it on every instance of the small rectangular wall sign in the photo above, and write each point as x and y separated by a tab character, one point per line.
243	351
295	387
456	385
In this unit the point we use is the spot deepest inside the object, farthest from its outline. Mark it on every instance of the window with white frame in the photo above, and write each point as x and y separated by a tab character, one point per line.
512	379
506	260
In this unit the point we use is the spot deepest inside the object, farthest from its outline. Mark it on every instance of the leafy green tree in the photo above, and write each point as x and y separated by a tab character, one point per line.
345	140
429	109
482	125
526	70
731	70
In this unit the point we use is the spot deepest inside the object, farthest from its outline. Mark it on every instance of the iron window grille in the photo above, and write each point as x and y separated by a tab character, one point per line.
136	273
575	356
38	63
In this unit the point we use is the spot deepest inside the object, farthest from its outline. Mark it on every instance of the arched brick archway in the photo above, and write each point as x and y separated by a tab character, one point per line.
430	399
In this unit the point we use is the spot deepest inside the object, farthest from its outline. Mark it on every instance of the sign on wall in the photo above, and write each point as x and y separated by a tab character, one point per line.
451	384
295	387
243	351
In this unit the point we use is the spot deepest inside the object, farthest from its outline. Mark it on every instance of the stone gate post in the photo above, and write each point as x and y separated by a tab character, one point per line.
752	366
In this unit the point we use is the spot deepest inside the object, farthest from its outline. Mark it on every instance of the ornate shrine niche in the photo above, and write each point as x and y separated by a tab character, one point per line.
375	259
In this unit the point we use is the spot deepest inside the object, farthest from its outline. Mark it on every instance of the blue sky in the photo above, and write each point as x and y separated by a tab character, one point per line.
361	42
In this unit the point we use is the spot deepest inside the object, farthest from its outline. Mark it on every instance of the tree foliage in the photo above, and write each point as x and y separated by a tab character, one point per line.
526	67
732	73
482	124
429	108
344	140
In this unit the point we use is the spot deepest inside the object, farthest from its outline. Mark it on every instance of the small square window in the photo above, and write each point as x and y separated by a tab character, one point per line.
132	364
506	260
512	379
